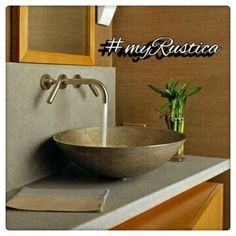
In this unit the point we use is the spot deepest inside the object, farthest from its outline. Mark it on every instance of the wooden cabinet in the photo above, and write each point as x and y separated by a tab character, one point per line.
196	209
52	34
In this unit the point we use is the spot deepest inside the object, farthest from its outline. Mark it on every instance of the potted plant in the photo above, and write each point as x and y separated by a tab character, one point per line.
173	108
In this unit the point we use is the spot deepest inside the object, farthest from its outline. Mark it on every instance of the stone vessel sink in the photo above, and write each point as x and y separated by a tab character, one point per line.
130	151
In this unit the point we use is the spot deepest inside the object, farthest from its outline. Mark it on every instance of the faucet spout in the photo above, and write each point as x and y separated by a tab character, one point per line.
76	81
90	82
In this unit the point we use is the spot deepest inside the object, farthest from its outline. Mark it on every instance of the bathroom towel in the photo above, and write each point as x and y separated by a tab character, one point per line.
72	200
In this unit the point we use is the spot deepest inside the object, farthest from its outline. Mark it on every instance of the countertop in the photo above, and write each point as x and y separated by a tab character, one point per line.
127	198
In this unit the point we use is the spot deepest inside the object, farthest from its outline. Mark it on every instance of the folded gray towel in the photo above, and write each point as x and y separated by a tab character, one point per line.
73	200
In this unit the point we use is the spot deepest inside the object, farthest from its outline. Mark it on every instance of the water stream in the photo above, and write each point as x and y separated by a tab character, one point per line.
104	125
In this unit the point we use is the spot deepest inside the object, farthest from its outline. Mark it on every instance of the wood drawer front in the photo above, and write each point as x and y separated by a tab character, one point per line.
198	208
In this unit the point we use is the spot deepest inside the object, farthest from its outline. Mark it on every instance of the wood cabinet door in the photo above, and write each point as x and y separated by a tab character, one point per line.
198	208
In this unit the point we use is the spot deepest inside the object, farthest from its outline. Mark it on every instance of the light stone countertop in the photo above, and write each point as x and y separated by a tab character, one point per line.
127	198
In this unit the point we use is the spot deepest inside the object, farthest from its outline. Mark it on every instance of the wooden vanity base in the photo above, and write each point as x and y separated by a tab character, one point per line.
200	208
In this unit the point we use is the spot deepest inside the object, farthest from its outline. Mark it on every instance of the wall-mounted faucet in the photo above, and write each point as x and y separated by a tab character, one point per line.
61	83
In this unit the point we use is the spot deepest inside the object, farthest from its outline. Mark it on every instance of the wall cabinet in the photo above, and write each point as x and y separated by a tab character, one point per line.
200	208
53	34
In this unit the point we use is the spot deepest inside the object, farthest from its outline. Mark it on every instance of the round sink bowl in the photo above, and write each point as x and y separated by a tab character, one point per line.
130	150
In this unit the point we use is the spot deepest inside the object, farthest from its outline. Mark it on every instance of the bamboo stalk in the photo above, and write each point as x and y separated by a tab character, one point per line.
179	124
175	128
181	130
182	127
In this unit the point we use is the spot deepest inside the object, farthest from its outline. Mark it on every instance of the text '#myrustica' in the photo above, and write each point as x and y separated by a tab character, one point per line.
160	47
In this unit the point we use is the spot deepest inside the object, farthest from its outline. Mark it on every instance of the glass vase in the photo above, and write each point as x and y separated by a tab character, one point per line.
178	126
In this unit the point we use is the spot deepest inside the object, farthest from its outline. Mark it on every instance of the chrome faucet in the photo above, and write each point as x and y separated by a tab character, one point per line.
61	83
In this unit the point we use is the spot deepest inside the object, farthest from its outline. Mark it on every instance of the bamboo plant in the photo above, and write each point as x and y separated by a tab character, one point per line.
173	108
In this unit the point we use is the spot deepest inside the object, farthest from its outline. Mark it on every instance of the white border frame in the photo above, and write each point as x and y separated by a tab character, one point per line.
5	3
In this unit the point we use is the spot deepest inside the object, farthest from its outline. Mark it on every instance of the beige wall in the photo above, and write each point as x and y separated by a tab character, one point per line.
206	114
31	121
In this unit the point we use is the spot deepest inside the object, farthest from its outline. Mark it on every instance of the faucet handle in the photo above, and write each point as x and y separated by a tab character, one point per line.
94	90
58	85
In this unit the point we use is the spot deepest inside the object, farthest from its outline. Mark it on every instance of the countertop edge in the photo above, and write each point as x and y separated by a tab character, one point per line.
126	212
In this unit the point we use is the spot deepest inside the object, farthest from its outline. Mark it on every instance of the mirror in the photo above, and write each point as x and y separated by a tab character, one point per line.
55	34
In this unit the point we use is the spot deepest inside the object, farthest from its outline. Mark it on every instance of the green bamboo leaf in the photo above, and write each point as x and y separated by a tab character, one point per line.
167	91
167	96
169	85
184	100
154	88
177	98
175	88
193	91
184	87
